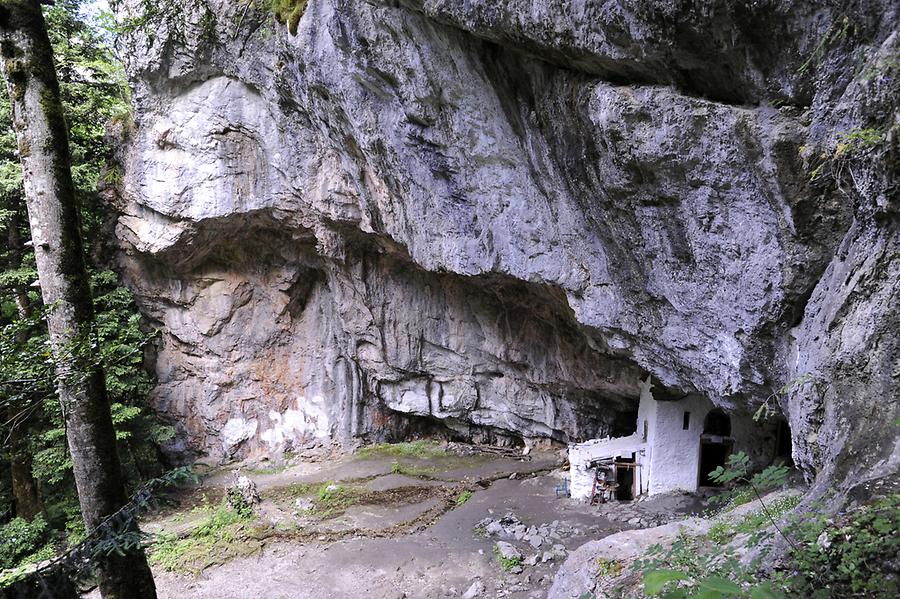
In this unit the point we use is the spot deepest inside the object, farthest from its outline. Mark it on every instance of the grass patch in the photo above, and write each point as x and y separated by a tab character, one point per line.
272	469
422	449
507	563
463	498
720	533
333	500
759	520
298	490
412	470
217	538
329	499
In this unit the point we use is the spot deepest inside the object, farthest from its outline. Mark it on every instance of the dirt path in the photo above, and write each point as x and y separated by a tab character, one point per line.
401	528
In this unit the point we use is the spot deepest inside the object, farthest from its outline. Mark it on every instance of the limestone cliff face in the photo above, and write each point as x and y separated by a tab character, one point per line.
501	215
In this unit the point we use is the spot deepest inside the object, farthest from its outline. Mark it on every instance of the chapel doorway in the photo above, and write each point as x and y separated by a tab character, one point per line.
625	478
715	445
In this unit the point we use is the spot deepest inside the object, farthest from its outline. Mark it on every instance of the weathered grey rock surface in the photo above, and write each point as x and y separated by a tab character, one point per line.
500	215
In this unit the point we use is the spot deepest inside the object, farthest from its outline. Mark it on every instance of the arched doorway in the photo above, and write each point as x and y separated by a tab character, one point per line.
715	444
717	423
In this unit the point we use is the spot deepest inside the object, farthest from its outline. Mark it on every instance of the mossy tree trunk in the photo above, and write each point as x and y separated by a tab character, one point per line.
24	487
27	59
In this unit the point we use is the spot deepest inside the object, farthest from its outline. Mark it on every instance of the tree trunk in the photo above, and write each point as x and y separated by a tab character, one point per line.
27	501
53	215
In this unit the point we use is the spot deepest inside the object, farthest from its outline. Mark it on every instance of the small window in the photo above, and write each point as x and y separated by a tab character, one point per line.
646	429
686	423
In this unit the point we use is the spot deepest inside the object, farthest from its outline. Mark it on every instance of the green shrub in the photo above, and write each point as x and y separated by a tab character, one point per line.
24	542
851	556
858	140
690	557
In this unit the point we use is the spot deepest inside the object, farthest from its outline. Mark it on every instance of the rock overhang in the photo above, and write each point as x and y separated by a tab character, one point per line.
408	156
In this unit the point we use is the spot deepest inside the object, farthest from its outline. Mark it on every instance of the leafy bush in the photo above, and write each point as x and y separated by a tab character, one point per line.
121	342
687	564
24	542
855	555
690	568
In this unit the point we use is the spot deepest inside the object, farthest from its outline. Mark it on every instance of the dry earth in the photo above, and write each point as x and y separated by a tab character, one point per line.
402	535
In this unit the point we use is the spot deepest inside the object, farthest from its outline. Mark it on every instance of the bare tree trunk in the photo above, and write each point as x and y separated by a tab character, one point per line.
53	215
24	487
28	502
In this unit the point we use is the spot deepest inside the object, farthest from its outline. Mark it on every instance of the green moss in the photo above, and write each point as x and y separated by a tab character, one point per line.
422	449
53	111
289	12
16	74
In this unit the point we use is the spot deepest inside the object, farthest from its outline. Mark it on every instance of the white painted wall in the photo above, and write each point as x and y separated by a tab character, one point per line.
675	452
647	412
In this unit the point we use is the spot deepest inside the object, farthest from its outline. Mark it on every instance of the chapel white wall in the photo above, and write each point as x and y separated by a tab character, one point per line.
675	461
